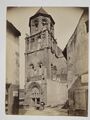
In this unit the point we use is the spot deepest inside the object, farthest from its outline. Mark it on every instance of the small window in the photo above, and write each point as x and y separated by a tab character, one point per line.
32	40
40	65
51	26
32	44
51	64
17	62
55	68
39	42
44	22
43	35
32	66
17	54
36	23
39	37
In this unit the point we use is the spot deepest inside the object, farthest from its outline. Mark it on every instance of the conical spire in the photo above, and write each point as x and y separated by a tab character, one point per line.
42	11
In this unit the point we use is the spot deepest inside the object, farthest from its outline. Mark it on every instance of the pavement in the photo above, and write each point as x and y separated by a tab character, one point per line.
46	112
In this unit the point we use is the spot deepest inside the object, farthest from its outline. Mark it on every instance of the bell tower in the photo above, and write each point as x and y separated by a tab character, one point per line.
40	21
37	57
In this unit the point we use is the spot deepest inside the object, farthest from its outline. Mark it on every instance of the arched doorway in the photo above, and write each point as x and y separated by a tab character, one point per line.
34	94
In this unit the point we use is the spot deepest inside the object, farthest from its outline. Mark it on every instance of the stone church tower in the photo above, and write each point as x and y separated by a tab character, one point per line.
45	65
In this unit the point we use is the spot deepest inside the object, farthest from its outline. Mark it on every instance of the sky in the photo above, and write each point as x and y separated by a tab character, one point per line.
66	20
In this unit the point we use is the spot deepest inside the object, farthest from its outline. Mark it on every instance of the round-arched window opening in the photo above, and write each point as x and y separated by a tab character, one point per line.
32	66
40	65
44	22
36	23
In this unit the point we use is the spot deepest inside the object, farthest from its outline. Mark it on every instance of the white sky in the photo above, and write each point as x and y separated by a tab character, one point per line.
65	19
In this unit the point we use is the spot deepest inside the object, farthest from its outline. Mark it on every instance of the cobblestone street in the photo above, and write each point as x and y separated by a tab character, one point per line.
47	112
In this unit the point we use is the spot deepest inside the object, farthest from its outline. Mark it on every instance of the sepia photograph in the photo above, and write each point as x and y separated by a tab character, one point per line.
47	61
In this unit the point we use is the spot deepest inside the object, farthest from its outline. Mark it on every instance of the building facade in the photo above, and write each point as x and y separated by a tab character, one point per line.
45	65
12	69
76	53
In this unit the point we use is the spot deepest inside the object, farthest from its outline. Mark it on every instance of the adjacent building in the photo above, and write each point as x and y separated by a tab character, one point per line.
12	69
45	64
76	53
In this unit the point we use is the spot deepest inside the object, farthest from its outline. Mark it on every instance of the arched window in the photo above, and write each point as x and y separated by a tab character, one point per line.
53	72
39	42
36	23
40	68
40	65
31	70
44	22
31	66
32	43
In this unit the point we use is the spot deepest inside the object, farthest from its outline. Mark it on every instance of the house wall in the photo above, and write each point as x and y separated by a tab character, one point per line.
12	72
12	59
77	63
77	51
57	83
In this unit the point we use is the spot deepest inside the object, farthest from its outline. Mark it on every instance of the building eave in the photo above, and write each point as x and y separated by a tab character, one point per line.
41	14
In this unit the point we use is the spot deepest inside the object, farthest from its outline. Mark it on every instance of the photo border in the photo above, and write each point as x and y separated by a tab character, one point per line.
31	3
